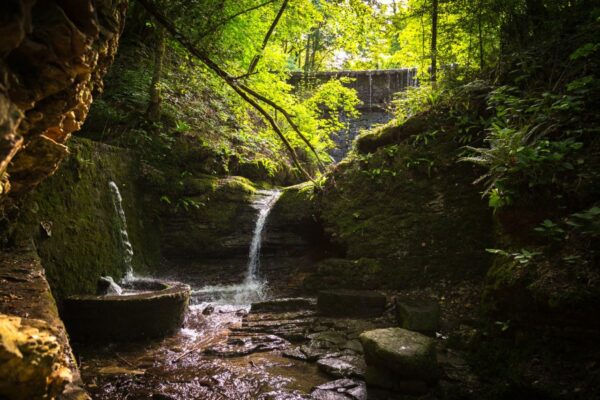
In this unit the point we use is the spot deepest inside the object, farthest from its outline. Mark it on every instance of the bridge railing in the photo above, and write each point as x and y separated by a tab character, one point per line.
375	88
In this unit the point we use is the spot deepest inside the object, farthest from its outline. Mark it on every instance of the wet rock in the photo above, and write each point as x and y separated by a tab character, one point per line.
106	285
283	305
422	315
341	389
333	337
116	370
208	310
313	353
236	347
295	353
351	303
320	394
162	396
408	354
353	345
343	366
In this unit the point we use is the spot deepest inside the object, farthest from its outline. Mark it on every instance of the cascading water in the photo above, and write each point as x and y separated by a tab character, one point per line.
264	206
124	236
252	288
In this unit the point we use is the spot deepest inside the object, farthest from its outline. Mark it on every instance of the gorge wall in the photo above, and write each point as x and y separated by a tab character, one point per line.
53	55
74	225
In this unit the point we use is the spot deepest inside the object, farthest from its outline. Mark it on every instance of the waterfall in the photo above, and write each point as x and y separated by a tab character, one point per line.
264	205
124	236
252	288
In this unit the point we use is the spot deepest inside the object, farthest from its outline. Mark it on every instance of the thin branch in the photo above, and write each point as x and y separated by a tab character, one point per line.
257	57
230	80
288	118
225	20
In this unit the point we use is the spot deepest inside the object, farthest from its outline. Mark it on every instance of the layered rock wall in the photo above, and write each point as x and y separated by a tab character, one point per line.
73	222
53	55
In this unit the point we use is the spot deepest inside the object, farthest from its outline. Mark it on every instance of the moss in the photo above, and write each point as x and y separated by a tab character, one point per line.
208	216
296	204
82	240
404	200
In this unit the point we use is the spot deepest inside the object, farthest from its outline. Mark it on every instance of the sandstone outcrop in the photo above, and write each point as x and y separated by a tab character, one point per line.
53	55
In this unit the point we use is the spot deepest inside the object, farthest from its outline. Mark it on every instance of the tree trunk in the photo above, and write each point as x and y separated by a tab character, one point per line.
265	42
153	111
434	30
480	34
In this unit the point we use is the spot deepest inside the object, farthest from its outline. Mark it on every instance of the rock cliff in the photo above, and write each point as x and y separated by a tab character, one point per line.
53	55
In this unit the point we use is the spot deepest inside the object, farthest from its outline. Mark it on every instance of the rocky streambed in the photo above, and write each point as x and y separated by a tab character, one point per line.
284	348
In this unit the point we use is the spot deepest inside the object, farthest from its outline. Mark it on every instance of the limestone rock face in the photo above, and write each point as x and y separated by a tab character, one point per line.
409	355
53	55
30	360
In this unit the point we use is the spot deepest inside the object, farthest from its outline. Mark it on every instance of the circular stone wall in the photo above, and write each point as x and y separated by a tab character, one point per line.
157	311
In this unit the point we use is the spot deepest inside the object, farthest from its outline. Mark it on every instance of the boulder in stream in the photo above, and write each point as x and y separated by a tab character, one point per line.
405	354
351	303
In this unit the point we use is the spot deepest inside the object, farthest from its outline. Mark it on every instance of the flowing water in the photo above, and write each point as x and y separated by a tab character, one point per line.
253	288
124	236
196	362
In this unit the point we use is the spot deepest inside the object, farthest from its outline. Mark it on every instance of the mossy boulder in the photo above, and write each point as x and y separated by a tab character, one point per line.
409	355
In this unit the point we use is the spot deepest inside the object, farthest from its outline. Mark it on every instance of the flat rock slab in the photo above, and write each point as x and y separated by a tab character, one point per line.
410	355
343	366
421	315
351	303
342	389
284	305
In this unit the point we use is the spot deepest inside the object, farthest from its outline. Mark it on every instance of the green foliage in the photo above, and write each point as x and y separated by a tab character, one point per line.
531	143
522	257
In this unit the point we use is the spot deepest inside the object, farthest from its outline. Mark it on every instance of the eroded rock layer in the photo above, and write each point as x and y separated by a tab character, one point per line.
53	55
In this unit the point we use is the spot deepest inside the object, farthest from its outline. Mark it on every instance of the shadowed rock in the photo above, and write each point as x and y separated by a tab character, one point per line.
408	355
421	315
351	303
283	305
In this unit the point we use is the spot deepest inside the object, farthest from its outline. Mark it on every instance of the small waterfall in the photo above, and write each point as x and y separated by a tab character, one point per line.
264	206
252	288
124	236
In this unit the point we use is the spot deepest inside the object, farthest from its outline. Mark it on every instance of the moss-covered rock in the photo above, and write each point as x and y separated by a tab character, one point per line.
410	355
73	222
294	224
404	200
208	216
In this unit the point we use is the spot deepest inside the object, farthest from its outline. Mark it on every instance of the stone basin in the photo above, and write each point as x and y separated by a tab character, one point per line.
148	309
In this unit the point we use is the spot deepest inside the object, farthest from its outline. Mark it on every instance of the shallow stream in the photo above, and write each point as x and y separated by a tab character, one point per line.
192	365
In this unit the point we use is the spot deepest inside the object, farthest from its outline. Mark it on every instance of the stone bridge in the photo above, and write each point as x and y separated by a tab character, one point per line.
375	88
